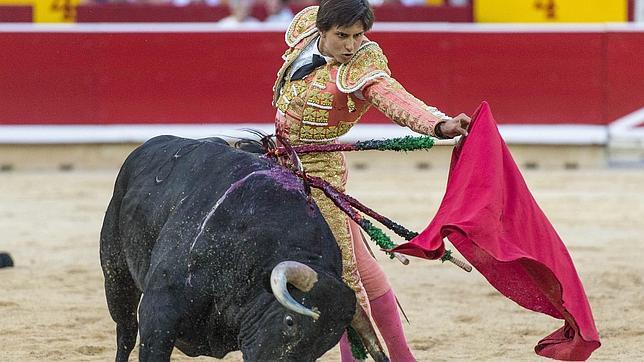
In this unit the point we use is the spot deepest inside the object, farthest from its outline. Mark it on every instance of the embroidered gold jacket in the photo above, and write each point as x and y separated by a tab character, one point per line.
324	105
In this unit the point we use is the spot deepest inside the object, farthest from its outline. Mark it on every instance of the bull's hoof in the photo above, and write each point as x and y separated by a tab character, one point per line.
5	260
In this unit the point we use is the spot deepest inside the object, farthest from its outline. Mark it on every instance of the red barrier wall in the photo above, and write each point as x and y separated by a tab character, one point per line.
200	77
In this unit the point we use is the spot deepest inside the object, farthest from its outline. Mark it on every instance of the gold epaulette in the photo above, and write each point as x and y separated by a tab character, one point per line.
367	64
303	25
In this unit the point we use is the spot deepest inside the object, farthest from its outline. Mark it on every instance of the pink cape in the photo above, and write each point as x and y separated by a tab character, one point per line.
492	219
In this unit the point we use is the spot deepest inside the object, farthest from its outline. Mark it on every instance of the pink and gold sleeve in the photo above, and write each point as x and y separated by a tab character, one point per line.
393	100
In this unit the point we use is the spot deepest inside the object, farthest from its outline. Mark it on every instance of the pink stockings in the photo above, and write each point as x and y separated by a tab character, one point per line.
384	309
385	313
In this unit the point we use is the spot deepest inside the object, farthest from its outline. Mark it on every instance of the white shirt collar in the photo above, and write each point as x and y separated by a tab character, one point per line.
306	56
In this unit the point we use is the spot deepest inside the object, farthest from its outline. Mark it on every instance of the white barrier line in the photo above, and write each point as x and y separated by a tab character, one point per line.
518	134
58	134
628	122
624	132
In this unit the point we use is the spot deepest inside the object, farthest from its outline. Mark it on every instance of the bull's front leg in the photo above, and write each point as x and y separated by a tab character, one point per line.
158	320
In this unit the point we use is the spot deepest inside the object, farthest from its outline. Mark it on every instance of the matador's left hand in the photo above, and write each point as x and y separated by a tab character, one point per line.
456	126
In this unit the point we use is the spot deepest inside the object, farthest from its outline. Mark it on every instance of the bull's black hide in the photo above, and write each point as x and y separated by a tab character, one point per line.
197	227
5	260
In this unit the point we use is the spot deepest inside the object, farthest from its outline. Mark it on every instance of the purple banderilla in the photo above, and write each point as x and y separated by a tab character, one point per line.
347	203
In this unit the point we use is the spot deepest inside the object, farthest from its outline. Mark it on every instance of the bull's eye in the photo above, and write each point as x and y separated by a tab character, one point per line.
289	321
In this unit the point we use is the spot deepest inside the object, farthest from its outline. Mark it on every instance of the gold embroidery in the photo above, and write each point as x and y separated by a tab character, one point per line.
302	123
323	76
298	87
319	102
324	133
400	106
367	64
304	114
351	104
303	25
321	98
319	117
331	167
291	56
290	97
287	53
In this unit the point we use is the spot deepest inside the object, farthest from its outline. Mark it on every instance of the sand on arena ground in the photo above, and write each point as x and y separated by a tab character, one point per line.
52	304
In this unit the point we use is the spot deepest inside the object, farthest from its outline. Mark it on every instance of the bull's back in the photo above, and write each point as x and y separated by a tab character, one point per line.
165	189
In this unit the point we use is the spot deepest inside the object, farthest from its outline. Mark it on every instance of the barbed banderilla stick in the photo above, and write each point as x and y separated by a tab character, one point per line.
405	233
401	144
347	203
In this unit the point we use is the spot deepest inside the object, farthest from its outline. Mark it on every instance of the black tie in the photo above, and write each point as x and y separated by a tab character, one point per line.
306	69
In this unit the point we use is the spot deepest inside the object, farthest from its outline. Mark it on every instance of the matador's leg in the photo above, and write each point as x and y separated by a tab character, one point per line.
384	309
339	225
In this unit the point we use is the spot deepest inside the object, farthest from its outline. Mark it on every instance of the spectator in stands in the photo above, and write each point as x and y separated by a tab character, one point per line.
381	2
188	2
413	2
239	12
459	2
138	2
424	2
278	11
330	77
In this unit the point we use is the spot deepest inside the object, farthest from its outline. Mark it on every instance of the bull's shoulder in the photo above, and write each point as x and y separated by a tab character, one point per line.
168	146
203	159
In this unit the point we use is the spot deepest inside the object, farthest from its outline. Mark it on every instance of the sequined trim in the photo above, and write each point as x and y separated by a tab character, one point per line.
391	98
307	108
369	63
315	116
319	106
329	133
438	114
351	105
303	25
315	123
291	55
321	140
331	167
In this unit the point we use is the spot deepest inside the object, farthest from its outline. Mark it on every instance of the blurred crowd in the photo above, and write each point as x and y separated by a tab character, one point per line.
223	2
278	11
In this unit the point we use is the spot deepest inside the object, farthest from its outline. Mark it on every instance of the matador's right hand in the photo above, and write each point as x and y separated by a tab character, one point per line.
456	126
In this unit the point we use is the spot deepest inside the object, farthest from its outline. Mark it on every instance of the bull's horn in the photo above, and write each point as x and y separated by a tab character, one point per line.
300	276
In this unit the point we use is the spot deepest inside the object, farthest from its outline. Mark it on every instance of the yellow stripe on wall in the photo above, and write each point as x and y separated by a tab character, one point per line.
55	11
534	11
49	11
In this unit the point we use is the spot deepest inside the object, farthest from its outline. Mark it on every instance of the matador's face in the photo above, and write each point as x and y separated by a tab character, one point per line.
341	42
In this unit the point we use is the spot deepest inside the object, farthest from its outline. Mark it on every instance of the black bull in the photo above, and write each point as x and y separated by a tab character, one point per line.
210	236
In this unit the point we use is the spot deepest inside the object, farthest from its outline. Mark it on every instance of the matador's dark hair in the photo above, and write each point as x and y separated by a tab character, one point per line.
344	13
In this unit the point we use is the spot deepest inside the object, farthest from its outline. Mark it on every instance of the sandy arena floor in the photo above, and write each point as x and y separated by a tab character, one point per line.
52	306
